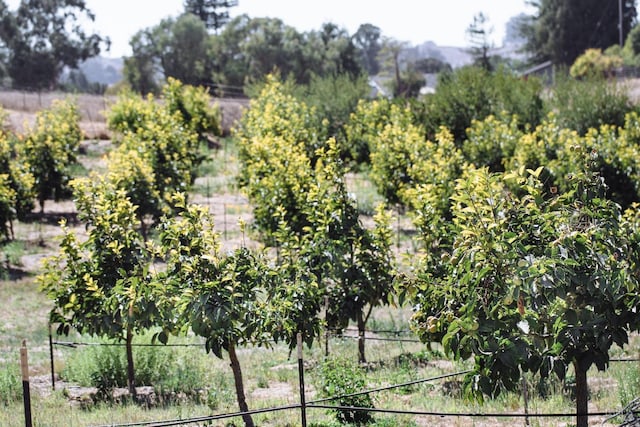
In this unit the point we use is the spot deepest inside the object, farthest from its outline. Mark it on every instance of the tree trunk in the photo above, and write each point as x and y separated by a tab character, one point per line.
131	381
582	395
361	327
237	378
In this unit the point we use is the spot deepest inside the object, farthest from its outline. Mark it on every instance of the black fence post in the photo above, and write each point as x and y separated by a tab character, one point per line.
53	375
26	392
303	407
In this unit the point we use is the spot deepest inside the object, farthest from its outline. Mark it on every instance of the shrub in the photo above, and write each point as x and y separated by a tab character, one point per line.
595	63
50	148
490	142
394	151
589	103
340	377
472	93
364	127
334	98
194	105
278	139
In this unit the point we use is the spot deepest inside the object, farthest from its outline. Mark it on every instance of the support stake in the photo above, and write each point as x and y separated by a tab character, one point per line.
303	407
26	393
53	375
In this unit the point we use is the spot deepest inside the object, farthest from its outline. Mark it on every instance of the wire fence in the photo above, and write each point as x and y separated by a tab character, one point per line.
629	414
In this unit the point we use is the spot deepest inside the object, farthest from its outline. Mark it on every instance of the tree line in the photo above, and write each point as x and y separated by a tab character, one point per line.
203	46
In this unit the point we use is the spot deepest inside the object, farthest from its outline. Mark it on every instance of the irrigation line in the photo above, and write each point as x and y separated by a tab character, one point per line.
457	414
378	339
383	331
391	387
115	344
177	422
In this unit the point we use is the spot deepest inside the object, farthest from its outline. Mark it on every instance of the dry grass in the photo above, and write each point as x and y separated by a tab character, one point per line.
22	108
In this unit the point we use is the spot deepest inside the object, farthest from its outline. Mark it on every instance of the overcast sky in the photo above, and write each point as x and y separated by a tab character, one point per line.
415	21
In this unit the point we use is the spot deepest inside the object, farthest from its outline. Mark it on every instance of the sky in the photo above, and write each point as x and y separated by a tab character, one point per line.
415	21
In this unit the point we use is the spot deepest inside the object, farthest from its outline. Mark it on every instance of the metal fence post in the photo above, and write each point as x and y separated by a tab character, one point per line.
303	408
26	393
53	375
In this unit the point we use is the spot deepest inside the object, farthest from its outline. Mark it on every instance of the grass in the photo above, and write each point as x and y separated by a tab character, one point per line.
271	380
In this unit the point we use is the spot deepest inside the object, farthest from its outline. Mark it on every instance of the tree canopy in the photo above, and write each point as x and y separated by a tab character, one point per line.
42	38
561	30
213	13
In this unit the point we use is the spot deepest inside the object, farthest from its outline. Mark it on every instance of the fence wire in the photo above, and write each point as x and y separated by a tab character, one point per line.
630	413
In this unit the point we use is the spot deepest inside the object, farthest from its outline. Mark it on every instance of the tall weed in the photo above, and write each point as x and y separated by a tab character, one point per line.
169	370
10	384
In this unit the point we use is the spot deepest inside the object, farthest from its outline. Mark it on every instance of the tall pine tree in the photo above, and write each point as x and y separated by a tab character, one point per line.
213	13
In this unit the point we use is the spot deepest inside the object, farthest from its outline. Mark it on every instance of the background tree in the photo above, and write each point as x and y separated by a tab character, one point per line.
177	48
404	80
432	66
141	69
44	37
250	48
561	30
631	49
339	54
367	41
213	13
478	34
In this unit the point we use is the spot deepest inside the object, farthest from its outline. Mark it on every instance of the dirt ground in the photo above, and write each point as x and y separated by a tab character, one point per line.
22	108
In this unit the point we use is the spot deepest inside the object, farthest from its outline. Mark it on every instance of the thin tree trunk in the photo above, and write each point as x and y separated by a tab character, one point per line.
131	381
582	395
237	377
143	229
361	327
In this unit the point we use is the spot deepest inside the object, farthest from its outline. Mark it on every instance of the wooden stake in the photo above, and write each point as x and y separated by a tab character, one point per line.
26	393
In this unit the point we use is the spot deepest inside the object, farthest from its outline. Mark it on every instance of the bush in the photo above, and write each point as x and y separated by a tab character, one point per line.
472	93
589	103
334	98
340	377
364	127
51	148
594	63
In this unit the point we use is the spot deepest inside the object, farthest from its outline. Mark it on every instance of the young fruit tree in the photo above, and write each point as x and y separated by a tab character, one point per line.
535	281
100	286
354	264
50	148
230	300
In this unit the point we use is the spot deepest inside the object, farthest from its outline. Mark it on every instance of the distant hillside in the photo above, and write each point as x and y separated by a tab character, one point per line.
102	70
455	56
